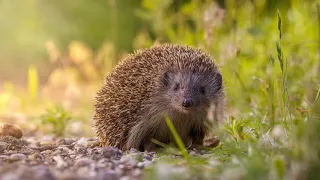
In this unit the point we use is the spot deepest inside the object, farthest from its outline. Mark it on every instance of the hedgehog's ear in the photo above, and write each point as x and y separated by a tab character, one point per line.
166	78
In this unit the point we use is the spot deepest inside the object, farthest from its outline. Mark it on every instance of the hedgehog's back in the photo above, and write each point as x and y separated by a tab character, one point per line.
120	98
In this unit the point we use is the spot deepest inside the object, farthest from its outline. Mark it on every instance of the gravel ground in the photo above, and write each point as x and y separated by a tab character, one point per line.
47	158
50	159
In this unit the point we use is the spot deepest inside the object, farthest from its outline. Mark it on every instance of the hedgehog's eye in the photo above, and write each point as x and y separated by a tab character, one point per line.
202	90
176	87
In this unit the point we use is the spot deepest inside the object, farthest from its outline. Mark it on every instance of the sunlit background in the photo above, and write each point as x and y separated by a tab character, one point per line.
54	55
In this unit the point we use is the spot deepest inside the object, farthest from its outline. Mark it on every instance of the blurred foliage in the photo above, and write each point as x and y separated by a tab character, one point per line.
33	83
57	52
57	118
63	21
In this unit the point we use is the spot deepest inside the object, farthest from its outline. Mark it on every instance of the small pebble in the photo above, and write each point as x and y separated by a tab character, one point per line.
3	146
83	162
35	156
124	159
45	143
43	172
136	172
10	130
10	176
72	176
63	149
147	163
111	153
125	178
131	164
4	157
60	162
18	157
104	163
83	170
82	142
66	141
192	153
93	143
121	166
47	152
148	158
80	150
140	165
109	175
133	150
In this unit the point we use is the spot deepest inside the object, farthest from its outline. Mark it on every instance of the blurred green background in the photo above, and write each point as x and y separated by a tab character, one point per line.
54	55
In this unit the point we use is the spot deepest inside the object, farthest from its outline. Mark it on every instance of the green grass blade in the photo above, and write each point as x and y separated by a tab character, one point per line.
177	137
159	143
279	24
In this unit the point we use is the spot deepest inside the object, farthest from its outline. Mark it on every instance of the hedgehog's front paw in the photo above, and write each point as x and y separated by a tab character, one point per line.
211	142
207	143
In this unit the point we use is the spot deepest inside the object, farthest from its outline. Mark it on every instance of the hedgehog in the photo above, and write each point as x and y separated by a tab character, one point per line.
178	81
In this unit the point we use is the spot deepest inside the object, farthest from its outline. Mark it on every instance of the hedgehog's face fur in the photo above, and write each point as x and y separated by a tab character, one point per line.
188	92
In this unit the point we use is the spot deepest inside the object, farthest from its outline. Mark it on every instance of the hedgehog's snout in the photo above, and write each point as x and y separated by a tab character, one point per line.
187	103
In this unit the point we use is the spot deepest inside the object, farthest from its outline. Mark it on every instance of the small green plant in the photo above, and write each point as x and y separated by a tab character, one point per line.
58	118
240	129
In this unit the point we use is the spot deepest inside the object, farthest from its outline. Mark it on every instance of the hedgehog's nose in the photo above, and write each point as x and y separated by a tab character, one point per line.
187	103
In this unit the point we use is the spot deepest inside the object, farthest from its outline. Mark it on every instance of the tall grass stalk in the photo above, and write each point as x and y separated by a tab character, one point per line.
177	138
284	67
